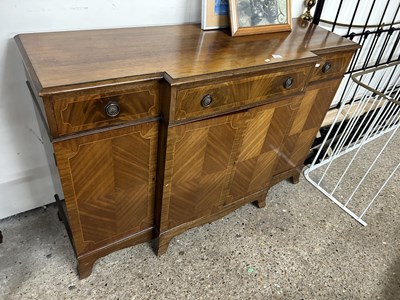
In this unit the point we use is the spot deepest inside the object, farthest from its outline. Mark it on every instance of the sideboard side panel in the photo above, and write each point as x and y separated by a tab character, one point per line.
306	124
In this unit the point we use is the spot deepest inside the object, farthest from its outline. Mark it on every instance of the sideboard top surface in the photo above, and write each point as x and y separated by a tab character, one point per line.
57	60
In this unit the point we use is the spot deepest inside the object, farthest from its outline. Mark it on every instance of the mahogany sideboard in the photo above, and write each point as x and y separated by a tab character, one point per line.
153	131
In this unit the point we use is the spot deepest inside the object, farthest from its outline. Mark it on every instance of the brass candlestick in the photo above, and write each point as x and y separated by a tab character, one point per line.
307	14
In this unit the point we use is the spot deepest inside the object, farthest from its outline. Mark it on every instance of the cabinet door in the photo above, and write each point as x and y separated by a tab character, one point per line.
108	180
264	131
214	162
306	124
199	157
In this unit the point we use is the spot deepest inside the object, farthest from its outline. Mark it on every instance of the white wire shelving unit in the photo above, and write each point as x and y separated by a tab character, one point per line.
370	112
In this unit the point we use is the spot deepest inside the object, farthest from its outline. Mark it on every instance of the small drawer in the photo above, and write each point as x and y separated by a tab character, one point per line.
106	108
331	65
217	98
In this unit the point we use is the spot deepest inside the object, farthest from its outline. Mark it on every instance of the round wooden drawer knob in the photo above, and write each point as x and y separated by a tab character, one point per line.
112	109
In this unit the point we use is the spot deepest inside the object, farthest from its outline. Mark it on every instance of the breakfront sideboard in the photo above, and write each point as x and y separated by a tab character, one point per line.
153	131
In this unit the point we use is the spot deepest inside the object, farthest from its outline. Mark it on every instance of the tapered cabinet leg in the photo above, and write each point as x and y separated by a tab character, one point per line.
296	178
160	244
260	203
85	266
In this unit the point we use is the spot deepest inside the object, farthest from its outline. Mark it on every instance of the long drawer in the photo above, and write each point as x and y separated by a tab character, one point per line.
211	99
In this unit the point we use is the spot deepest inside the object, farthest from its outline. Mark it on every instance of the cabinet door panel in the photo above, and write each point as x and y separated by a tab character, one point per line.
217	161
202	153
108	180
264	132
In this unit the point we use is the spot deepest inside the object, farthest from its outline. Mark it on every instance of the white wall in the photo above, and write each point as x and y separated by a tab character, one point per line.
25	181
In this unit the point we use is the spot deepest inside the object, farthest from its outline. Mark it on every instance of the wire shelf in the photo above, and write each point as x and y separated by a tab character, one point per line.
346	164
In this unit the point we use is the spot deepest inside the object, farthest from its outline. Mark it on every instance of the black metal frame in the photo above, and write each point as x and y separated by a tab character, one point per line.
368	57
384	35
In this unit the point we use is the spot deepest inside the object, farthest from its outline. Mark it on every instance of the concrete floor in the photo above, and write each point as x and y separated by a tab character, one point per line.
300	246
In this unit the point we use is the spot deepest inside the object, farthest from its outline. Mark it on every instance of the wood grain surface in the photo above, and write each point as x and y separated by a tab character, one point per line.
77	113
213	163
244	90
166	163
64	60
108	181
338	65
306	124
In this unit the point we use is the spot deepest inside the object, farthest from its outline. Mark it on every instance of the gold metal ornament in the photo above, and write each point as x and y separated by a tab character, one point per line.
307	14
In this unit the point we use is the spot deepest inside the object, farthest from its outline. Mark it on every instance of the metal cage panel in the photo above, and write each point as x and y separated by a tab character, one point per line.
372	112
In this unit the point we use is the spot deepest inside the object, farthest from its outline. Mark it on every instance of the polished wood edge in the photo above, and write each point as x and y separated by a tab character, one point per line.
174	123
248	72
87	260
324	82
332	50
160	173
292	173
247	199
308	78
104	129
149	27
120	88
228	75
162	240
87	86
168	78
28	65
48	102
350	45
166	94
167	110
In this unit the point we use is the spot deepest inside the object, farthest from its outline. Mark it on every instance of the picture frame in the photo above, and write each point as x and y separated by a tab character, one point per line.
214	14
260	16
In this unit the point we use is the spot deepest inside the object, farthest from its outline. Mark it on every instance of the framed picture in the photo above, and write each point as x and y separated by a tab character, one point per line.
214	14
259	16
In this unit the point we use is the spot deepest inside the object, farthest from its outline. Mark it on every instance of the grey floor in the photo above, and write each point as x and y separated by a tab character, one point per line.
300	246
